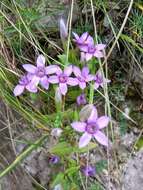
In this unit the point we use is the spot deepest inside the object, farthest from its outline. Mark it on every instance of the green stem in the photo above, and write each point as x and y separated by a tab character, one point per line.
91	94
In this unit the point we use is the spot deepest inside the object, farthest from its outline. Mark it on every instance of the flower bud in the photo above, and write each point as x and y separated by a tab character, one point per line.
86	112
63	30
58	95
58	99
56	132
88	171
81	100
54	159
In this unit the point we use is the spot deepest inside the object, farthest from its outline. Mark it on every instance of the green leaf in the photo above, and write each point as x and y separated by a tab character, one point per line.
72	170
61	149
58	179
64	148
123	125
90	146
63	58
139	143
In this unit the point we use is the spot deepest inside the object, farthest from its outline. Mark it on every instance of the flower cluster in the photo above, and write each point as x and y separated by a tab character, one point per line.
71	75
44	75
87	47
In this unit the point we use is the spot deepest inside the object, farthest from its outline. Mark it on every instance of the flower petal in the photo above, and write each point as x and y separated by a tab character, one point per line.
82	85
44	82
72	81
76	71
68	70
98	54
30	76
85	71
96	85
31	88
102	121
101	138
89	78
88	56
90	40
51	69
53	79
107	80
76	36
35	81
63	88
82	56
100	46
99	74
78	126
84	140
29	68
18	90
83	48
93	116
40	61
84	36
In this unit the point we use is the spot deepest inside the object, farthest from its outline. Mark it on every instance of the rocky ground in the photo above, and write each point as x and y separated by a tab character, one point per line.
128	175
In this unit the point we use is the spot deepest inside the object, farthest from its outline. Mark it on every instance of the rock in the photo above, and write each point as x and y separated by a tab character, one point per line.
132	178
51	13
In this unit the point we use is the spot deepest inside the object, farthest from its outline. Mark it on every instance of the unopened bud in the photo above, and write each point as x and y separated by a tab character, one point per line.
56	132
63	30
86	111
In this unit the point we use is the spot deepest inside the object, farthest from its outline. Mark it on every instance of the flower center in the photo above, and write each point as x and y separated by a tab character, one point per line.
40	72
91	128
24	80
91	49
63	78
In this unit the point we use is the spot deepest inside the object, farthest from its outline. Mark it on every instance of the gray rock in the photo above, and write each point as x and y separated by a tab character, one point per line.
132	178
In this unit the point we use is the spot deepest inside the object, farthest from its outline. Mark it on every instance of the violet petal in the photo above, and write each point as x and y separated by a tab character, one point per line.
101	138
78	126
40	61
84	140
18	90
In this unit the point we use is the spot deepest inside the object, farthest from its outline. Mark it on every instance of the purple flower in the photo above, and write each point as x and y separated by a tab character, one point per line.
88	171
91	128
24	83
100	80
86	45
81	100
64	79
91	50
40	72
82	76
63	29
54	159
83	41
